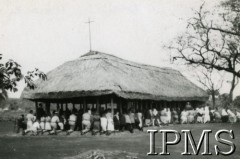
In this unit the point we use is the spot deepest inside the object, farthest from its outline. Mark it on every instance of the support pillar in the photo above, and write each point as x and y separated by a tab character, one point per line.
84	105
112	105
97	105
36	107
47	107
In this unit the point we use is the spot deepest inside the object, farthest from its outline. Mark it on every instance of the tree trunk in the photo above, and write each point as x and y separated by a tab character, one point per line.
213	99
233	85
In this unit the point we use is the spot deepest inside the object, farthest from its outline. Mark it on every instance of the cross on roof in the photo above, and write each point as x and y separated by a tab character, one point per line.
89	26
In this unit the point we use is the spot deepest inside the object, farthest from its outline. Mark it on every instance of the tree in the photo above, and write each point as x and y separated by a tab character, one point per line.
10	75
211	81
212	40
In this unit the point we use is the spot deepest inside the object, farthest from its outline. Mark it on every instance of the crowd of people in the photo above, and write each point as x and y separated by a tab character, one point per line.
104	122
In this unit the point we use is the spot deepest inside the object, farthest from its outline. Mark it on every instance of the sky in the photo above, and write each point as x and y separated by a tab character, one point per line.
46	33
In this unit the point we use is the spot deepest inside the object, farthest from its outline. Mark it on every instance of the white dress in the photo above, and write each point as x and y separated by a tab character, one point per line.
206	114
30	119
168	115
42	123
103	121
184	115
110	124
47	124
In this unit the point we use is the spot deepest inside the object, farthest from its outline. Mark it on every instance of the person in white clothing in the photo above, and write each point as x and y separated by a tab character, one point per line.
35	127
184	115
72	122
206	117
110	124
30	119
54	122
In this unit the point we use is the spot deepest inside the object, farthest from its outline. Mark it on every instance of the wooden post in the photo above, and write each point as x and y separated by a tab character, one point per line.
120	106
48	107
84	105
112	105
98	105
58	107
36	106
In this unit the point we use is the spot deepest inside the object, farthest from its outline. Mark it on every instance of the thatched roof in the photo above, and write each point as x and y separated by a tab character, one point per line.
95	74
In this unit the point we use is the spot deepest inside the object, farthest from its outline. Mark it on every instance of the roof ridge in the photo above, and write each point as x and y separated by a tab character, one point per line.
90	53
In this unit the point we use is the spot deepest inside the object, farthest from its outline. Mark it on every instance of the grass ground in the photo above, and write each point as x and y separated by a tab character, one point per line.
61	146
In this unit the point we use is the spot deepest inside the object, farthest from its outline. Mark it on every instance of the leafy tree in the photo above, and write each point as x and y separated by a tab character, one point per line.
10	75
212	40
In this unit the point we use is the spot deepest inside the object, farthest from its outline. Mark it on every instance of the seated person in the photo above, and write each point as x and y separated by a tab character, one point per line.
54	122
72	122
36	127
86	121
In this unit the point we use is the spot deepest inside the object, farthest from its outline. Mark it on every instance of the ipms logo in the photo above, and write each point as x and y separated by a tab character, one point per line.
188	139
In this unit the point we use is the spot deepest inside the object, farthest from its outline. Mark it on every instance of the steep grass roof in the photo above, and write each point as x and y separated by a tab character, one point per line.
97	73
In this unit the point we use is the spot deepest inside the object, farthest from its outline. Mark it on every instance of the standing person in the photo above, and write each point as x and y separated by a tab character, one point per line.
206	114
128	122
86	121
163	116
79	120
30	118
200	114
40	111
148	117
122	122
110	124
103	121
67	112
140	120
116	120
72	122
21	125
62	122
54	122
184	115
155	120
169	116
132	118
175	116
224	115
96	126
190	117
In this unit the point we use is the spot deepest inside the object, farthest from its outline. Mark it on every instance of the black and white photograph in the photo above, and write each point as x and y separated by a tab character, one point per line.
119	79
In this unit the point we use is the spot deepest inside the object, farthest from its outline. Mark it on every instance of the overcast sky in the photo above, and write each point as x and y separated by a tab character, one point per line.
47	33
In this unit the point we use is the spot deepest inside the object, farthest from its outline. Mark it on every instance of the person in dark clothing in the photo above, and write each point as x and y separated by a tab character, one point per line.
116	121
122	122
21	125
67	113
40	111
79	120
96	126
